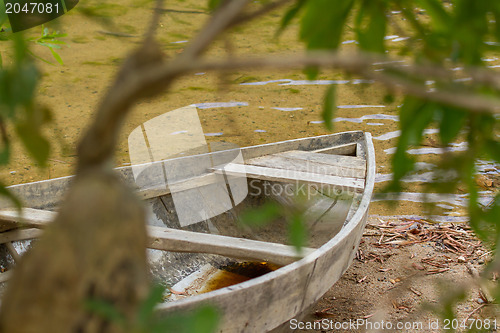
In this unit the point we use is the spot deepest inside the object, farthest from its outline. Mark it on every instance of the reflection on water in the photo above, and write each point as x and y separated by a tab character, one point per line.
289	82
313	82
452	199
426	177
219	105
431	150
395	134
359	120
487	167
287	109
379	116
400	39
360	81
359	106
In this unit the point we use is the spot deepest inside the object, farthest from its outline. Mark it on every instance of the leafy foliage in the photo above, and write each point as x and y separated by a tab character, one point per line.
18	83
329	107
50	40
447	34
17	104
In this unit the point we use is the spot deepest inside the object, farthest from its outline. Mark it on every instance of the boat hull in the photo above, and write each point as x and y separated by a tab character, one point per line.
269	301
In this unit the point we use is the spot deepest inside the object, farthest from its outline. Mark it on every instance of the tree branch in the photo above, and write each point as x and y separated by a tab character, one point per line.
360	64
239	20
219	22
153	25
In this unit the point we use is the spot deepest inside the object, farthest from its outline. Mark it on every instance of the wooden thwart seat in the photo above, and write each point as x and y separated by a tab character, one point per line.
162	238
324	164
290	176
347	166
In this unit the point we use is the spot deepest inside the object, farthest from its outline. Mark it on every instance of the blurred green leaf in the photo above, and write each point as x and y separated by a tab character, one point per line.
452	121
311	72
470	28
290	15
4	191
5	153
371	25
492	147
56	56
389	99
146	310
492	213
261	216
415	116
214	4
495	8
106	310
203	320
441	20
321	27
297	232
329	107
29	131
3	14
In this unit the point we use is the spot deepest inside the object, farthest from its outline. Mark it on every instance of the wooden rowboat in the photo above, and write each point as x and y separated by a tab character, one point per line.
190	257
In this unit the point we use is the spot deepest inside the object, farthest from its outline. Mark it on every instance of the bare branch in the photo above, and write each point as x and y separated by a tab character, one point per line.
220	21
258	13
153	25
360	64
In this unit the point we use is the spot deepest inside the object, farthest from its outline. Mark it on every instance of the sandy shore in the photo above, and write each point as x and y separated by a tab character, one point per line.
403	274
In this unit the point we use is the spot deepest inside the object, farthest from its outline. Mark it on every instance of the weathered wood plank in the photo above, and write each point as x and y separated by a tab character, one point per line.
345	149
284	162
179	186
350	165
161	238
5	276
292	176
19	234
29	217
186	241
